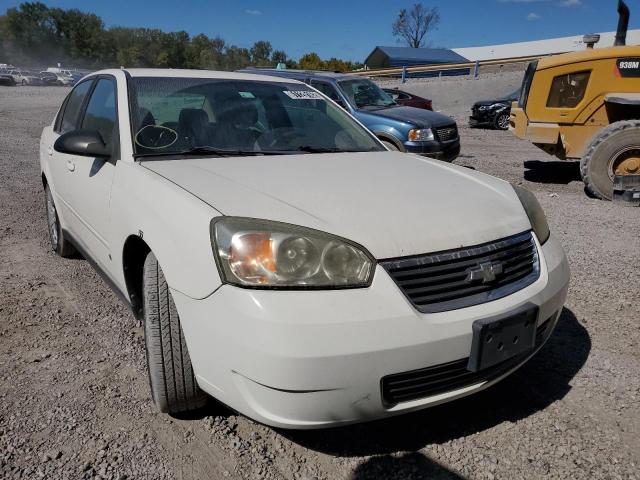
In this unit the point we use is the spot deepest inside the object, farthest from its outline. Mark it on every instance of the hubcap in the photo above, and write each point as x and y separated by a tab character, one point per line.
503	121
53	221
625	162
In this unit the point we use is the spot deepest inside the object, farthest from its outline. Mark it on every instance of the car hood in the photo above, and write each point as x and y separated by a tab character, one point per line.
417	116
501	101
392	203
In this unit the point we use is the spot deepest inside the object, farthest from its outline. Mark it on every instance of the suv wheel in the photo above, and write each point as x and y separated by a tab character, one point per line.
173	384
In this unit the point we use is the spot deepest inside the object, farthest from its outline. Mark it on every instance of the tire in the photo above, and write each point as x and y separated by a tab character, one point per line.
390	146
59	244
171	378
601	156
24	82
501	122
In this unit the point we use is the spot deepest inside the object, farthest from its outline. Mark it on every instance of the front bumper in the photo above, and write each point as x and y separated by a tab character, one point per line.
446	151
313	359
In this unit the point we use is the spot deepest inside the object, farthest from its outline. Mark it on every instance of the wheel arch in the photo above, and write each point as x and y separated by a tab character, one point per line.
134	254
390	138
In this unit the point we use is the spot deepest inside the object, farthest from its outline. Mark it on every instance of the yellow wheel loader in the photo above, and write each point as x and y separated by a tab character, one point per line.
586	105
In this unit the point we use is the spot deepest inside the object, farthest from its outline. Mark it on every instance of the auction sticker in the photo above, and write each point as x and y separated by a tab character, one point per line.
303	95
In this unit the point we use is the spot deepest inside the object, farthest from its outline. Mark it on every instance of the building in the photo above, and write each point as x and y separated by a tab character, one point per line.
384	57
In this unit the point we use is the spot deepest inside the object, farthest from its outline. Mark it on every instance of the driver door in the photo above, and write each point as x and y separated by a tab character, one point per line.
90	179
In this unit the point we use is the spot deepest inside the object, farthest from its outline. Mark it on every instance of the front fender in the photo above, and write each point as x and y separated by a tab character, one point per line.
171	221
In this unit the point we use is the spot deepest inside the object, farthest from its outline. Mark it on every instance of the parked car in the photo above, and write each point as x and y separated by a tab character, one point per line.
7	80
286	263
409	99
49	78
25	77
400	128
493	113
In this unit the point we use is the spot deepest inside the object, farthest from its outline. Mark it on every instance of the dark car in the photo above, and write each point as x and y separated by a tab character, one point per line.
409	99
493	113
407	129
6	79
49	78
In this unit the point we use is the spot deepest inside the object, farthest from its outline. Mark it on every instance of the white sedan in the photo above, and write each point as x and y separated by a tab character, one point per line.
282	260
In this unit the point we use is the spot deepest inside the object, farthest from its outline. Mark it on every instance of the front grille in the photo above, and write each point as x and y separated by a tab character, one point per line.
447	133
462	277
446	377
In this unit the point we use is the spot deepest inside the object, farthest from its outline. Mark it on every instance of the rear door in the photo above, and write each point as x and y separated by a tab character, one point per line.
90	179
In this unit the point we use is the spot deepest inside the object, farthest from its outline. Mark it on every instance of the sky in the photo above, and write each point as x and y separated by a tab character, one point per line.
350	29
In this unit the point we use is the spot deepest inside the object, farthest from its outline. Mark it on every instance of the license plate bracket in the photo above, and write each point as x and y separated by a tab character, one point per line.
497	339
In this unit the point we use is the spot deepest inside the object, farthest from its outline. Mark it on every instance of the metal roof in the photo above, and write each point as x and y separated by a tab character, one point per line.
382	57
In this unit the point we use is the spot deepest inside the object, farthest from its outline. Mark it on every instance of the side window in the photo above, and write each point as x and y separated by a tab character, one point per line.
73	106
101	110
568	90
327	89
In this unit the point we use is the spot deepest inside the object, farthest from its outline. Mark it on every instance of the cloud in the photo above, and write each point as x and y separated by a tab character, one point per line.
533	16
571	3
522	1
253	12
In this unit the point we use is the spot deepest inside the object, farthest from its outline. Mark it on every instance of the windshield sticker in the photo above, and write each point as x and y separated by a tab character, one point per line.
303	95
247	95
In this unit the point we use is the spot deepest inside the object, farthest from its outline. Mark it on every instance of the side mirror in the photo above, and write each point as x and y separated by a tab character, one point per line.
86	143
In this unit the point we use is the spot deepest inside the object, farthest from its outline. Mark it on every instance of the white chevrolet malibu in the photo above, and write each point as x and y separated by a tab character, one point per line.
282	260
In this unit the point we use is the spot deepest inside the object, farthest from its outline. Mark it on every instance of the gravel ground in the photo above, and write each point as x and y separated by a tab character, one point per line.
74	394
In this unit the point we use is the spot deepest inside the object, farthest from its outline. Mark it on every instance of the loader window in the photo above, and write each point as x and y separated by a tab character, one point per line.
567	91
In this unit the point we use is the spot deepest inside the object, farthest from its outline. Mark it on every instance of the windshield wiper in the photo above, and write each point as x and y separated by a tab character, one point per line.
204	150
320	149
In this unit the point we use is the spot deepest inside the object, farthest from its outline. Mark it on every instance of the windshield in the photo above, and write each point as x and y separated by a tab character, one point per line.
200	115
363	93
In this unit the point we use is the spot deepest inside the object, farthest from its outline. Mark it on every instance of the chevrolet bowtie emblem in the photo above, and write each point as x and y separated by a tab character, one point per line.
485	272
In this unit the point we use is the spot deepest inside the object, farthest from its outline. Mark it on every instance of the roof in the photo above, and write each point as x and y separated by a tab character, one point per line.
184	73
586	55
399	56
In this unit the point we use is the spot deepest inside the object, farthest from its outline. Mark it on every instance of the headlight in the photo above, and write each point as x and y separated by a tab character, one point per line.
265	254
420	135
534	212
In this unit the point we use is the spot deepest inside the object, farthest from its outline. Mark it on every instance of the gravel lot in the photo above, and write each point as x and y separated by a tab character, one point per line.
74	396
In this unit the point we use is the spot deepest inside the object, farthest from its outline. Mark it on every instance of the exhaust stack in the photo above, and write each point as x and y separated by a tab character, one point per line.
623	24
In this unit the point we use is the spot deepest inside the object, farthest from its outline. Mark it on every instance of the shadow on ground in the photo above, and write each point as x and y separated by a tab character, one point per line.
412	465
542	381
556	172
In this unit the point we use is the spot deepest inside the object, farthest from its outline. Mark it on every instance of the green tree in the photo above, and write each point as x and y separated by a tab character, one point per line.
261	53
311	61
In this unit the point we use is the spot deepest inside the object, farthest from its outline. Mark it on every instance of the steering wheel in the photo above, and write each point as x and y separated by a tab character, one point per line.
281	136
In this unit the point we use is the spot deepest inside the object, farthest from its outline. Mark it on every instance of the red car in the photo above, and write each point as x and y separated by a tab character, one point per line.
409	99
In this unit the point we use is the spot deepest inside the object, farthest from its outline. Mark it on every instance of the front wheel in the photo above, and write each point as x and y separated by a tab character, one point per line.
501	122
390	146
59	243
615	150
173	384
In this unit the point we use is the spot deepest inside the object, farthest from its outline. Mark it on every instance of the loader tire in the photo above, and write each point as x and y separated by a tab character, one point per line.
173	385
610	150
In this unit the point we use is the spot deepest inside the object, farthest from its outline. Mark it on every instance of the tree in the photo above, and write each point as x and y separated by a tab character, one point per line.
411	26
278	56
311	61
260	53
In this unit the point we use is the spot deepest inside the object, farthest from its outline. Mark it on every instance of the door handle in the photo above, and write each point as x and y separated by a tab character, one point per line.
71	166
